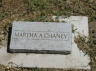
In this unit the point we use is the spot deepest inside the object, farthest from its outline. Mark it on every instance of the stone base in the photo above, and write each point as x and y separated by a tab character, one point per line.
76	60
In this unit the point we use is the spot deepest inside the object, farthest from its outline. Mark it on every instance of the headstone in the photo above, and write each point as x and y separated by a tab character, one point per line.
41	37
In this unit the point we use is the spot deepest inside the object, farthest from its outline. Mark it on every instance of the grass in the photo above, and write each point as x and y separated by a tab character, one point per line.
87	46
6	28
42	11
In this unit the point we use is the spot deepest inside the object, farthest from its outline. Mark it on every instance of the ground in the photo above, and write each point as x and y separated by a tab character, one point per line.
43	10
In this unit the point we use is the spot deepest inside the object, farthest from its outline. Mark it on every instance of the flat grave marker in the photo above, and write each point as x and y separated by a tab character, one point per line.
41	37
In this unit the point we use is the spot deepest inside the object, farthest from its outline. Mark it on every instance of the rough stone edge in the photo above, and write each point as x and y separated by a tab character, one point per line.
39	51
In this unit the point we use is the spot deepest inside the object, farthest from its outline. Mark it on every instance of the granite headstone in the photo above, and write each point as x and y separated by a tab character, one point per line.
41	37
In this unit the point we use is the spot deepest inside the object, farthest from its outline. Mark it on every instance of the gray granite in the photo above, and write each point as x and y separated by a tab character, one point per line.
41	37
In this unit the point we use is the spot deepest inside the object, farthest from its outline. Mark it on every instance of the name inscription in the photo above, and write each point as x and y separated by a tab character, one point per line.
41	35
